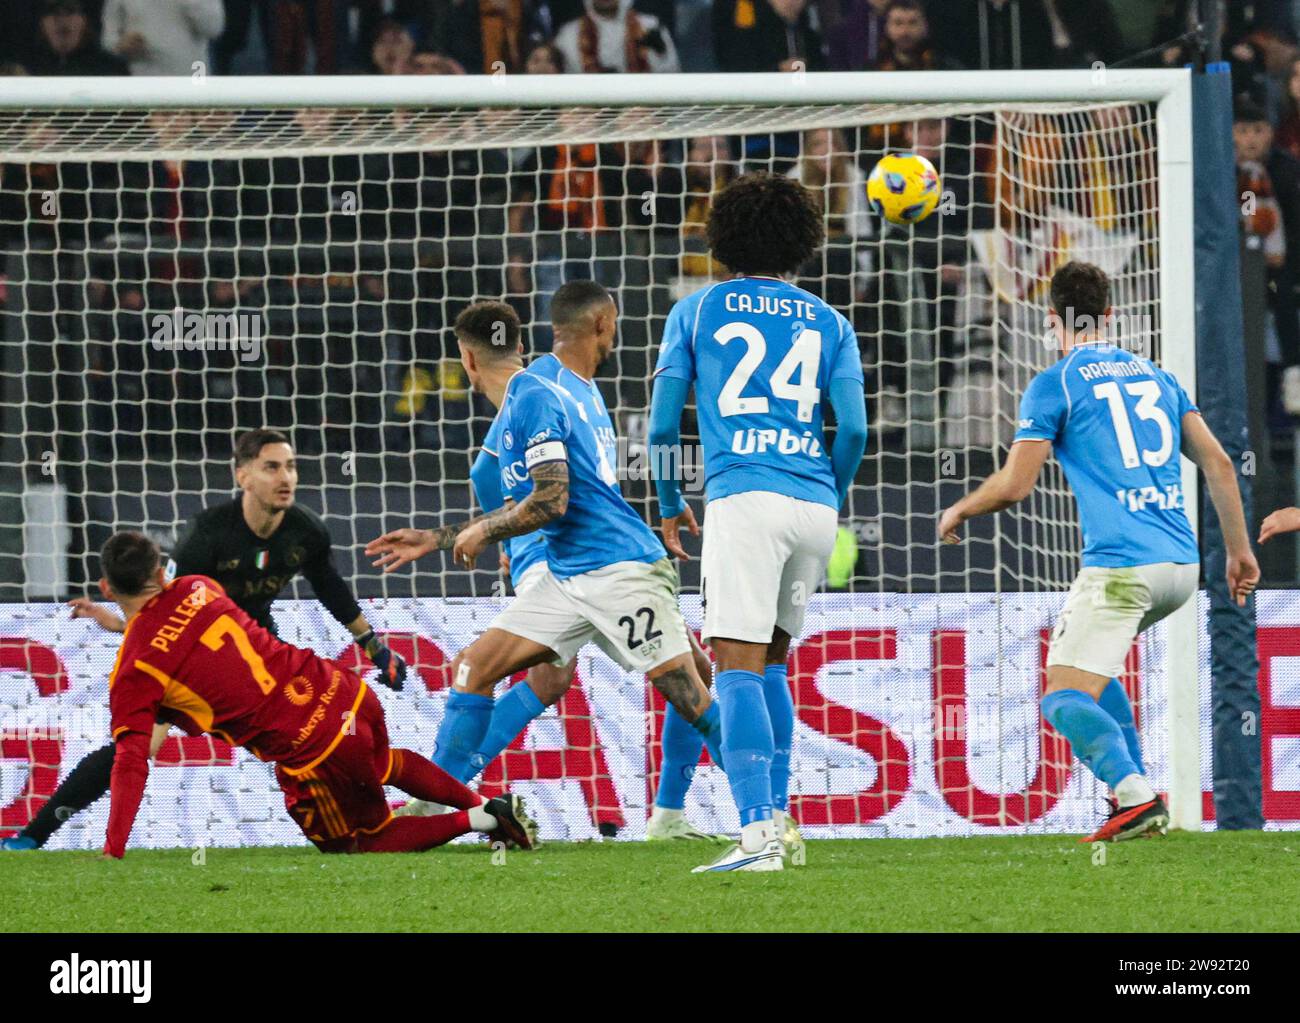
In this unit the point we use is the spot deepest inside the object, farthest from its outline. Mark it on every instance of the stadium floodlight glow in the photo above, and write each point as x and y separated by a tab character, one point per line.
349	218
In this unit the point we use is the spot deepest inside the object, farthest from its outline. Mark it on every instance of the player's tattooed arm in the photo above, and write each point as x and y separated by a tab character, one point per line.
547	502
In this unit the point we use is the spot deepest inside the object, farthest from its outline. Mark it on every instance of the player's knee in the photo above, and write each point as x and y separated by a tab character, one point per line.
550	682
779	649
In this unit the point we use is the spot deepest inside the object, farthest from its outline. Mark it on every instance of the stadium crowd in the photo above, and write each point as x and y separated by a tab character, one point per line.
359	263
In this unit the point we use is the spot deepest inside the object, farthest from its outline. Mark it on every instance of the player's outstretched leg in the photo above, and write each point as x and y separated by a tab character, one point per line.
511	714
425	780
86	783
498	818
681	743
1099	743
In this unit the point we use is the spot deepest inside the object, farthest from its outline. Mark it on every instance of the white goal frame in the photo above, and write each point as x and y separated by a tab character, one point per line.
1170	90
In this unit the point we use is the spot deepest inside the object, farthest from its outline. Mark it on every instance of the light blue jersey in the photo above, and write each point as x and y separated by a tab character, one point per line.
523	551
1115	423
554	415
761	354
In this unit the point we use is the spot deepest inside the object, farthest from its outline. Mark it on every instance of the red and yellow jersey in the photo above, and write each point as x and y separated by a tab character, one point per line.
192	658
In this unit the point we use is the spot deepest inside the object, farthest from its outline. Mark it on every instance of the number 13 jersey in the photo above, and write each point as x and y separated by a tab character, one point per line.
1115	423
761	353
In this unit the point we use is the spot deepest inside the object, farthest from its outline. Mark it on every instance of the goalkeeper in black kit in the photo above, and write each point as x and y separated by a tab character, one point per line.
253	546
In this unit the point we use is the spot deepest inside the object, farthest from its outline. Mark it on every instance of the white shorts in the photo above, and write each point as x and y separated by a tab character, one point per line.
764	555
628	609
531	577
1108	607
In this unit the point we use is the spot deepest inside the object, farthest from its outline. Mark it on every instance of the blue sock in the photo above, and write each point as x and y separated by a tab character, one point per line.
1114	701
510	716
746	743
709	725
780	708
464	724
1094	736
682	744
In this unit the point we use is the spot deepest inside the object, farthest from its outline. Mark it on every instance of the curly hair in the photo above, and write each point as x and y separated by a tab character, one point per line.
765	224
1081	289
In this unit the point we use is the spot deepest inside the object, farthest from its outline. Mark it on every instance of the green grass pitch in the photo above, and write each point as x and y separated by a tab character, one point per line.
1207	882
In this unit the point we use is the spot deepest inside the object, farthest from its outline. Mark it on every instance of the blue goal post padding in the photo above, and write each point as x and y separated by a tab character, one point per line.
1221	395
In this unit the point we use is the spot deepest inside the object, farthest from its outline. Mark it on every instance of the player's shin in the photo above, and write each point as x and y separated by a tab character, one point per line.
415	834
681	746
412	773
780	710
1114	701
510	715
1098	742
464	724
747	754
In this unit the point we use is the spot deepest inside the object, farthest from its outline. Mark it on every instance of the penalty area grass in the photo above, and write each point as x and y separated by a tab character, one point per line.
1230	881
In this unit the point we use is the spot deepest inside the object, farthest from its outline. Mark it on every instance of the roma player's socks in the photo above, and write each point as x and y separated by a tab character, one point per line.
423	779
87	782
464	723
510	716
682	743
747	753
1097	741
780	709
1114	701
415	834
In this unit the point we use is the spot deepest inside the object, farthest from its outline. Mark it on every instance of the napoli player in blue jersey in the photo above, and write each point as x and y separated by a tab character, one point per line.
1117	424
765	358
524	558
608	581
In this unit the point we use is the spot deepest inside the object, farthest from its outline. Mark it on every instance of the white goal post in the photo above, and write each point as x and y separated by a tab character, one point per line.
204	118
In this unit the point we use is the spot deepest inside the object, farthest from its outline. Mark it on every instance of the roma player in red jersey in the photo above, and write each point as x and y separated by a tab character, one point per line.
190	657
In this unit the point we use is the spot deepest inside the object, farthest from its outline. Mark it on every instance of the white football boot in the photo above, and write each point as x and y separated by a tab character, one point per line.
735	858
672	826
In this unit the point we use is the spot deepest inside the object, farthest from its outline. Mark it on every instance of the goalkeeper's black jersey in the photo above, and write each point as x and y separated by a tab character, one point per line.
253	570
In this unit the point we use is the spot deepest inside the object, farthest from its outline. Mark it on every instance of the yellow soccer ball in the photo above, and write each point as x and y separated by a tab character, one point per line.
903	188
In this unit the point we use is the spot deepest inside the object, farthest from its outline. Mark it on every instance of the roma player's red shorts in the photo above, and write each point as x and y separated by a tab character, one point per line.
342	795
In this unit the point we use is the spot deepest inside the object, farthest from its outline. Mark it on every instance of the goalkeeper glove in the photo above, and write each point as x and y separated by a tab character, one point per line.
392	669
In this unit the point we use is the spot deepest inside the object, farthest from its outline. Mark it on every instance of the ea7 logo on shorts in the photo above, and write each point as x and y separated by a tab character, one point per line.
102	977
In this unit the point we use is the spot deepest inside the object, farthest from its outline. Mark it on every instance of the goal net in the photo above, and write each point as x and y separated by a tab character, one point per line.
175	275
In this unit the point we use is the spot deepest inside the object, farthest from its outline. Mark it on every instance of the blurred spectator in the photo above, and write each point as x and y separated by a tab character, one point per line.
859	35
767	35
428	63
1084	32
487	35
309	30
67	44
1288	128
998	34
612	36
392	49
907	45
234	37
1268	185
544	59
708	169
827	168
162	39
